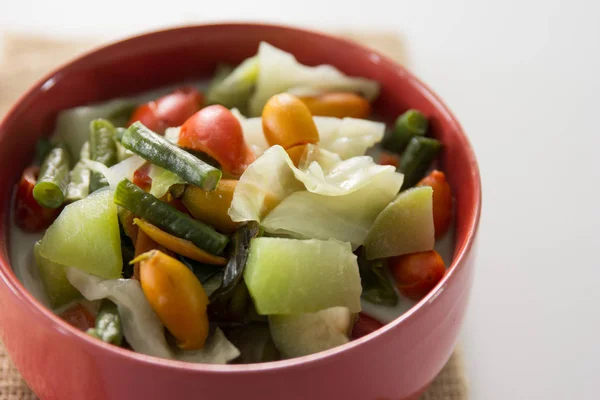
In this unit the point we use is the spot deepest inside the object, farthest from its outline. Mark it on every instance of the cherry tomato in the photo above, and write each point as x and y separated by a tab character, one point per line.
141	177
417	273
214	130
442	201
288	122
168	111
79	317
365	325
338	105
29	215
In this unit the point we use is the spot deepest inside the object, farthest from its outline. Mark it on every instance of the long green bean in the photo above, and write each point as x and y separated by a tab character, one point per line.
159	151
417	158
408	125
51	187
169	219
102	149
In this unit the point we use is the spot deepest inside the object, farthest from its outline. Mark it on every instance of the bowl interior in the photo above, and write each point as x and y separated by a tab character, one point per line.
168	57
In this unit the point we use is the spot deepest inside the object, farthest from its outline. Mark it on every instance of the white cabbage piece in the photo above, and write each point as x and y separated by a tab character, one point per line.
117	172
273	176
279	71
141	326
348	137
162	180
346	218
73	125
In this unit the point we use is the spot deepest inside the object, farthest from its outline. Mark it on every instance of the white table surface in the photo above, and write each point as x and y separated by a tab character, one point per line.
522	76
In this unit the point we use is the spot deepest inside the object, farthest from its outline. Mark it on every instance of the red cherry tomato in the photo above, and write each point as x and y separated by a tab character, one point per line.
168	111
365	325
29	215
417	273
141	177
79	317
214	130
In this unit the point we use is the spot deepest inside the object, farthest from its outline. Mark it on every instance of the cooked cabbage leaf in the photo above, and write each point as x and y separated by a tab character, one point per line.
346	218
279	71
162	180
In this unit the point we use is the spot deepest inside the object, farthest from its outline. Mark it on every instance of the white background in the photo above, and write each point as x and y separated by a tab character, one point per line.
522	76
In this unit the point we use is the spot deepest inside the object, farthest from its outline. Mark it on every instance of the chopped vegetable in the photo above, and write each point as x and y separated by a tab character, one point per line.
143	244
216	350
108	324
103	149
338	104
408	125
86	236
141	177
297	153
169	110
417	159
365	325
234	89
212	207
177	245
442	201
161	152
287	122
302	334
54	279
167	218
279	71
51	187
417	273
177	297
404	226
78	316
214	130
141	326
377	287
29	214
325	274
238	258
346	217
161	181
115	174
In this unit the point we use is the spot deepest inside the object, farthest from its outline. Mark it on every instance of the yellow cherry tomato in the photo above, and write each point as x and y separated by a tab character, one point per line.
177	297
288	122
212	207
338	105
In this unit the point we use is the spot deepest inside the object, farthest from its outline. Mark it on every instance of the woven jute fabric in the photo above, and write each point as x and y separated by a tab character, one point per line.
24	59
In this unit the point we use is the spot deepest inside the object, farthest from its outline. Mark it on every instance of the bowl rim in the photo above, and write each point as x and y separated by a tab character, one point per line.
8	277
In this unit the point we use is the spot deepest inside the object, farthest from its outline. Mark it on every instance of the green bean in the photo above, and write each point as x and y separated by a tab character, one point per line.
108	324
408	125
159	151
102	149
167	218
42	148
417	159
51	187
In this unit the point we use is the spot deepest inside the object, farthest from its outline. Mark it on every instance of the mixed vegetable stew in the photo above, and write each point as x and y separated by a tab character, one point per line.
245	221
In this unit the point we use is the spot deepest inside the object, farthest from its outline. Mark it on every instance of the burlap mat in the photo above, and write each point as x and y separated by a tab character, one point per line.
26	58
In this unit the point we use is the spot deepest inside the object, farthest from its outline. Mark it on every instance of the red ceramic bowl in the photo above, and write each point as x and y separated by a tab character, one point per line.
396	362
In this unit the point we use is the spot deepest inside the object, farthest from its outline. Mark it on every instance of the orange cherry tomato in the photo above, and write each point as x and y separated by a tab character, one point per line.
288	122
168	111
340	105
214	130
79	317
442	201
29	215
141	177
365	325
417	273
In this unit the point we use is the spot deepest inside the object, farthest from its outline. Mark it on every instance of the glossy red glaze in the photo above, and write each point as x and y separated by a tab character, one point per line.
393	363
